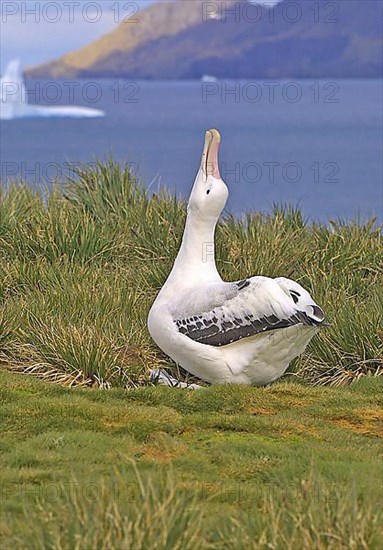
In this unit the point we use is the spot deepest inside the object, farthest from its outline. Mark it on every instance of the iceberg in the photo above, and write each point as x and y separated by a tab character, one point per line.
14	100
209	78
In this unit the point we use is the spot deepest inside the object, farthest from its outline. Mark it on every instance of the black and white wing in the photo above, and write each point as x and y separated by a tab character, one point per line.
231	311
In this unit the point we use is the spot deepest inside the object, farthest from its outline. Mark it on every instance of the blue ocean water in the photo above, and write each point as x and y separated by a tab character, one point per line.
313	143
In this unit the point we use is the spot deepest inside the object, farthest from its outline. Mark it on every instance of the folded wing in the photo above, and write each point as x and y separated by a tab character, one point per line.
247	308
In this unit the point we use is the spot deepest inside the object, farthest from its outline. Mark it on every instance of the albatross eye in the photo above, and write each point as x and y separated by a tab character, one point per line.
208	191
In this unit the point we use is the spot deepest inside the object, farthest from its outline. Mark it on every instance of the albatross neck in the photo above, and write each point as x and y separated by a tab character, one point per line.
196	257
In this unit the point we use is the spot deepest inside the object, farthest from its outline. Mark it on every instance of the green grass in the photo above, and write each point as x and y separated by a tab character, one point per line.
289	466
294	465
79	271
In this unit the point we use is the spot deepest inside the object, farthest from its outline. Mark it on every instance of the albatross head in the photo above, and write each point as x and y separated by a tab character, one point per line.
209	193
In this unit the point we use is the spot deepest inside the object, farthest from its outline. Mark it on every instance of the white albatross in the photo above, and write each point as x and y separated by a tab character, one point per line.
244	332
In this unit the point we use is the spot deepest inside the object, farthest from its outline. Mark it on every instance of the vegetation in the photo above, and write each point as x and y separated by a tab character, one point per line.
80	269
144	467
288	466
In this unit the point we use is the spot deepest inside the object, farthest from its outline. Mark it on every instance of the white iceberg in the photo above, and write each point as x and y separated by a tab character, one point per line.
209	78
14	100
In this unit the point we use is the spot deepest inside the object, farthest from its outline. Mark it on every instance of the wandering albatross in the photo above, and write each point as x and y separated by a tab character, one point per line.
243	332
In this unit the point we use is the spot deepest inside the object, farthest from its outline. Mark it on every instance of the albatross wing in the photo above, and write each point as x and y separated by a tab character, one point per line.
247	308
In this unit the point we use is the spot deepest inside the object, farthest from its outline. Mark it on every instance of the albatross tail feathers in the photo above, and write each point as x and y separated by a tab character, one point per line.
311	312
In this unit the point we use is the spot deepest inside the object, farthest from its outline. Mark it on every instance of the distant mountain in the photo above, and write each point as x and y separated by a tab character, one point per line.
234	39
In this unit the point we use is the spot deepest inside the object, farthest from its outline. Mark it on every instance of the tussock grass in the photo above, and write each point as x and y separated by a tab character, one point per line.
158	517
79	270
161	516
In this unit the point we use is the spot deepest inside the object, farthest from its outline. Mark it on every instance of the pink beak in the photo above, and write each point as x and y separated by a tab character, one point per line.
209	161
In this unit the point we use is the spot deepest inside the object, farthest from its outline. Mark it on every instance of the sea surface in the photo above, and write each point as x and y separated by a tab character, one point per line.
316	144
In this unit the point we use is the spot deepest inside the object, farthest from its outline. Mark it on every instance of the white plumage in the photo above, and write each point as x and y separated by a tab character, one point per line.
244	332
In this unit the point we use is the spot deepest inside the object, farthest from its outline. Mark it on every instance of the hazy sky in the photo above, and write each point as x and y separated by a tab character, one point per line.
38	31
42	30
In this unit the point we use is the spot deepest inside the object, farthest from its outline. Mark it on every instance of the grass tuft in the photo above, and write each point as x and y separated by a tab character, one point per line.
80	269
